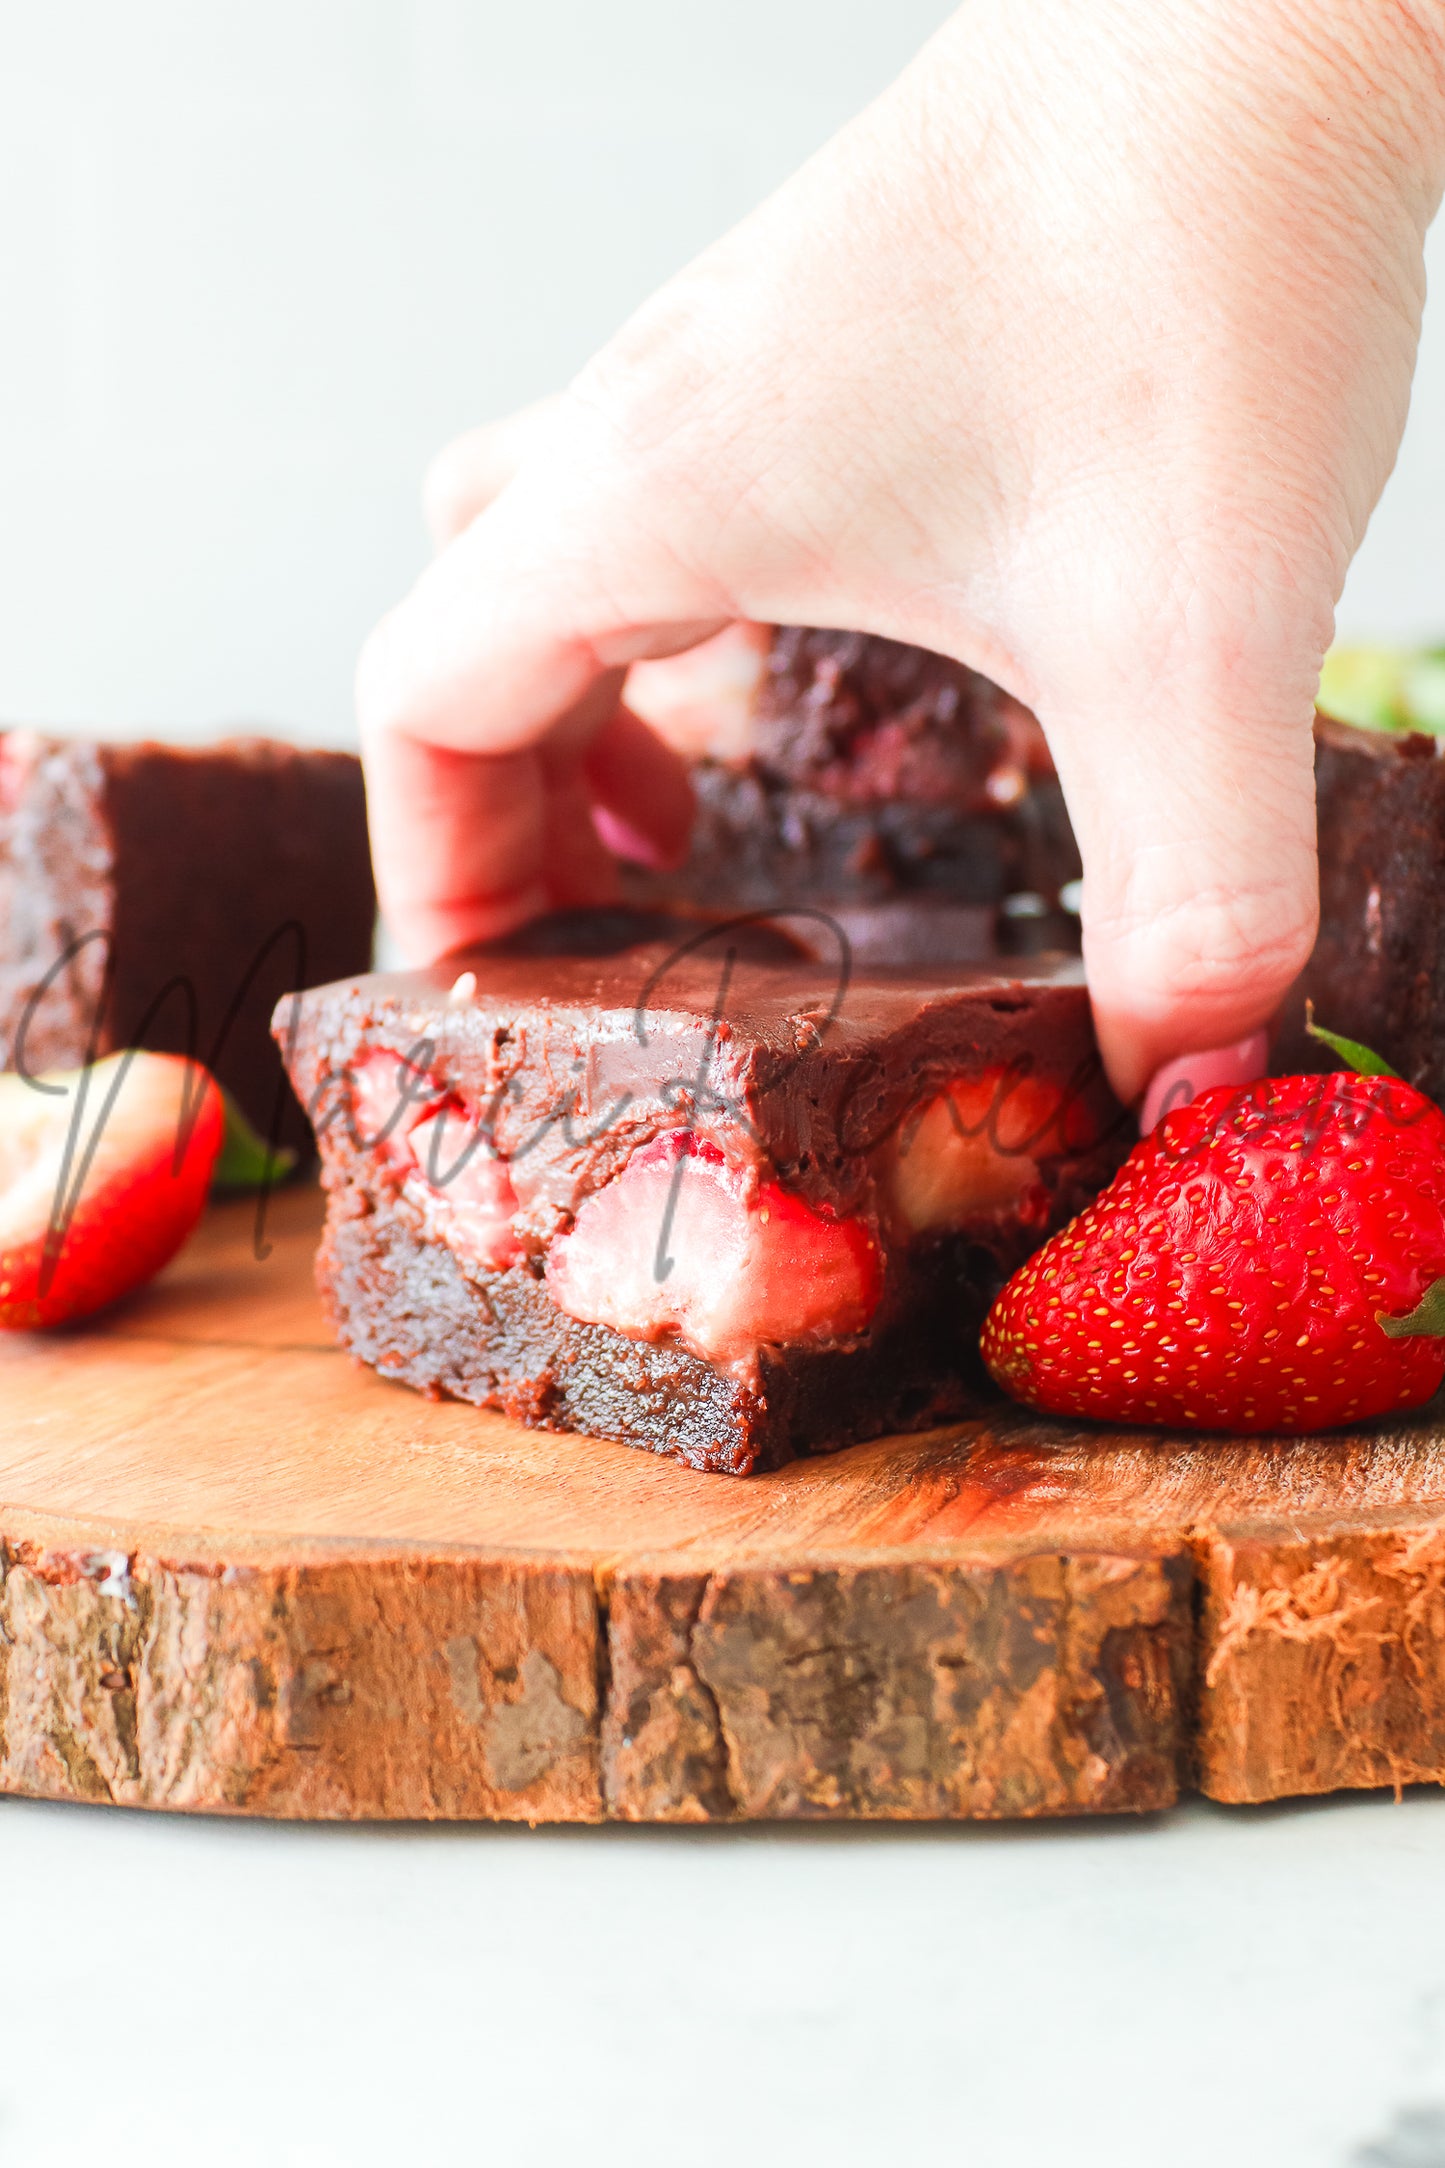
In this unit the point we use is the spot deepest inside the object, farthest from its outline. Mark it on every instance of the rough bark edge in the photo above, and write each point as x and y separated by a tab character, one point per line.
396	1684
1320	1661
391	1687
1039	1685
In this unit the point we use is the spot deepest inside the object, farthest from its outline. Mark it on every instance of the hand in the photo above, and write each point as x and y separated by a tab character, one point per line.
1081	356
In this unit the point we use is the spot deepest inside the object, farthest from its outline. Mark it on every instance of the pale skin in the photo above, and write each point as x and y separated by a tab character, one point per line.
1081	356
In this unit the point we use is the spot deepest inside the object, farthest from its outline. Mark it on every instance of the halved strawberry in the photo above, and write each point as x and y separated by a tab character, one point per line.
973	1151
683	1242
389	1096
103	1174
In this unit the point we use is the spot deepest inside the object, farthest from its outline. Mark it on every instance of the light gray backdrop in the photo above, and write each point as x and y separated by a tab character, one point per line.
257	261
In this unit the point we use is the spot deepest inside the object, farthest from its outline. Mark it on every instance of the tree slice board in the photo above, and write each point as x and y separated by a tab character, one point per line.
239	1573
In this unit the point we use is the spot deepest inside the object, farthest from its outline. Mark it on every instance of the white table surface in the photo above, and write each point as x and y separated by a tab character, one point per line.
1216	1986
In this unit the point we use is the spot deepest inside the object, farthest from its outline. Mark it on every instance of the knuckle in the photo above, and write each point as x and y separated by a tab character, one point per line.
1228	947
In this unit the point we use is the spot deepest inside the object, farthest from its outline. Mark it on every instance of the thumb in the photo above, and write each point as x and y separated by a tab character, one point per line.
1195	816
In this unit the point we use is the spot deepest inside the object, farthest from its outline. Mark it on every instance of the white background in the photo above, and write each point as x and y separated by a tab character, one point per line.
257	259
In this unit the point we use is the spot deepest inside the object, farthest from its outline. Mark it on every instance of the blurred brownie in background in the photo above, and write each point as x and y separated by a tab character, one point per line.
167	896
1378	969
907	796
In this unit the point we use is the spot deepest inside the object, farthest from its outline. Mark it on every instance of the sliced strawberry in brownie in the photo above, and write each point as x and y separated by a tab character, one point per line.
425	1141
974	1150
682	1243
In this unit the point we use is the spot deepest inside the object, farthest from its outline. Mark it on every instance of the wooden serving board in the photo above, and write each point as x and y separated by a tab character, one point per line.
239	1573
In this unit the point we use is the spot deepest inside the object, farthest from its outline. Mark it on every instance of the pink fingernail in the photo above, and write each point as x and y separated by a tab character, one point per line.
625	841
1185	1078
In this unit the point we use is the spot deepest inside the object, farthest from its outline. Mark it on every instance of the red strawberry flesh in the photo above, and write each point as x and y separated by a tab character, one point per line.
1233	1274
99	1190
464	1191
389	1097
683	1242
424	1137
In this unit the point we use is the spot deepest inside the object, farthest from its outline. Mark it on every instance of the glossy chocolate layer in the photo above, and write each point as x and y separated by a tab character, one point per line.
580	1059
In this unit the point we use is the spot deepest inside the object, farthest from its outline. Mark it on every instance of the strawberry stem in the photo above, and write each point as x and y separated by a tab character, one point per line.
1360	1058
245	1162
1427	1317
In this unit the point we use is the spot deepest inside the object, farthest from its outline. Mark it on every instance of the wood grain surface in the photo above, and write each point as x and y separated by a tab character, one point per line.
240	1574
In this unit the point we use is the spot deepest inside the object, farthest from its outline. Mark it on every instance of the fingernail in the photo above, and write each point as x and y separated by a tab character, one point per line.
1185	1078
625	841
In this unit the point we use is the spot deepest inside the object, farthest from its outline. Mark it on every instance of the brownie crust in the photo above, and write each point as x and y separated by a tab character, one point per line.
496	1339
759	842
871	721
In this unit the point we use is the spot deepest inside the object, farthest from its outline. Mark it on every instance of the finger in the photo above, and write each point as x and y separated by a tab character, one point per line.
1183	1079
469	840
514	637
702	701
503	634
475	468
578	867
1200	895
458	843
641	798
514	833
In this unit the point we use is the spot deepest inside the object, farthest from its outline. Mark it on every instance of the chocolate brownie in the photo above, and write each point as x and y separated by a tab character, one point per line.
1378	968
688	1187
901	791
871	721
166	897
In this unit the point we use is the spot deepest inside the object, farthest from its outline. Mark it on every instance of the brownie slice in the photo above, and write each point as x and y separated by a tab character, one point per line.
904	793
687	1187
167	897
1378	968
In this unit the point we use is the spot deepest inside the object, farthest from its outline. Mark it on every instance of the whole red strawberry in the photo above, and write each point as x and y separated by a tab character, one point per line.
1261	1262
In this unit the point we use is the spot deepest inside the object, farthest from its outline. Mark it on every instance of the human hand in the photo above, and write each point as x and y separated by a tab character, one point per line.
1081	356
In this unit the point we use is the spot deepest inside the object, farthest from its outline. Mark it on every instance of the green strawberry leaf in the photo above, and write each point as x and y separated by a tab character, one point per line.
245	1161
1427	1317
1360	1058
